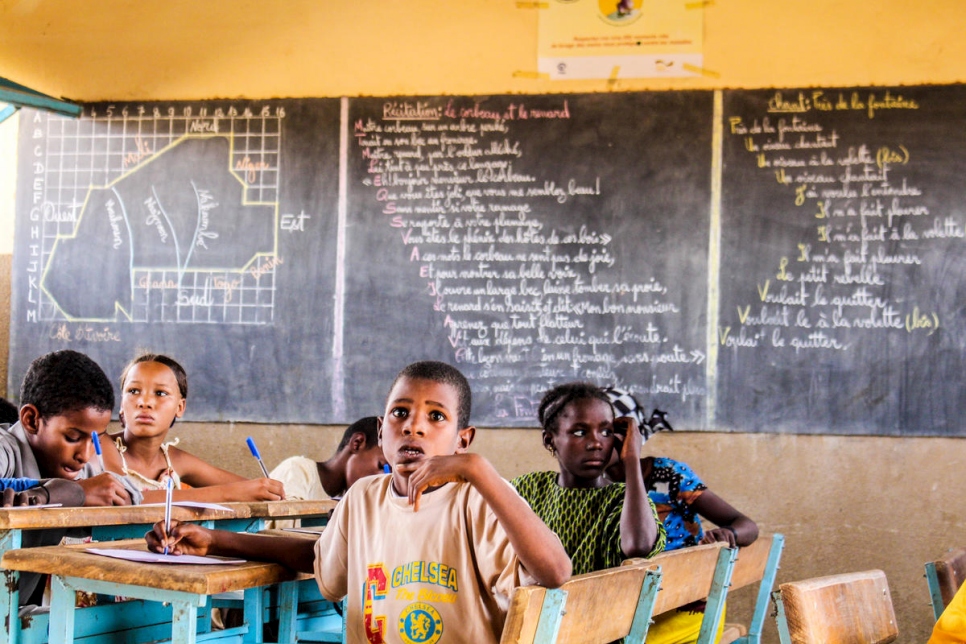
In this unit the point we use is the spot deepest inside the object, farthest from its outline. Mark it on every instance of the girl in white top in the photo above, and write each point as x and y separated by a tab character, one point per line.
154	390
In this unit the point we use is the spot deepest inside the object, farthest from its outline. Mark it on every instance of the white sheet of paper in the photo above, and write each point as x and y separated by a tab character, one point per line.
153	557
34	507
195	504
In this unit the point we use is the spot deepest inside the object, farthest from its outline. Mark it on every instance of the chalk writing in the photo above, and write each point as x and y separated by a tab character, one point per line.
84	333
874	225
521	289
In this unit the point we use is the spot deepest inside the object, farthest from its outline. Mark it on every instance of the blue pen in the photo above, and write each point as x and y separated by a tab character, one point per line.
97	450
167	509
258	457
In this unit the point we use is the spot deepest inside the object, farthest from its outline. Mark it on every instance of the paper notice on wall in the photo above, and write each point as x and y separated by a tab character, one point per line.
580	39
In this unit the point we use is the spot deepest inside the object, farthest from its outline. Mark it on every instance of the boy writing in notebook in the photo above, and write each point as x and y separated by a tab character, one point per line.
65	398
430	552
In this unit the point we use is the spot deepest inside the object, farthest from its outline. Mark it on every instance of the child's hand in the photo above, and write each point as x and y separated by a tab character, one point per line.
629	438
720	534
184	539
435	471
33	496
262	489
104	489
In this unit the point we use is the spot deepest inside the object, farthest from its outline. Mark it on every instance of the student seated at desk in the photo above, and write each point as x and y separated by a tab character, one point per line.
357	455
601	523
154	392
435	547
65	398
682	500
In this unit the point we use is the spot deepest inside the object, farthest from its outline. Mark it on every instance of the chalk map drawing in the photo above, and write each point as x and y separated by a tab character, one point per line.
153	217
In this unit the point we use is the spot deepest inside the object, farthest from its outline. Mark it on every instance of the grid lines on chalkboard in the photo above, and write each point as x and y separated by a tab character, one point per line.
99	152
197	301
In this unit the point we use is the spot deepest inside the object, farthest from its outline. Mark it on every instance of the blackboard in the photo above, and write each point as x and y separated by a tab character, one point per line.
201	230
843	264
532	240
689	246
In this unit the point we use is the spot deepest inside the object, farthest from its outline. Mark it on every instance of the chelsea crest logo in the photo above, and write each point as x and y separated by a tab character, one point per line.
420	624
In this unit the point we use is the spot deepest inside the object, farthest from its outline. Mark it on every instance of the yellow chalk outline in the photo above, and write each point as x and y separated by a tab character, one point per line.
118	307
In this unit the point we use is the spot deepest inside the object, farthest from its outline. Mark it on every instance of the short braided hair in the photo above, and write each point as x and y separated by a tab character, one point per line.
557	398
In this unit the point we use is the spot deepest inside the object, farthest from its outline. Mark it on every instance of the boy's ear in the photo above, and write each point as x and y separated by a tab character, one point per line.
357	443
379	430
466	436
30	418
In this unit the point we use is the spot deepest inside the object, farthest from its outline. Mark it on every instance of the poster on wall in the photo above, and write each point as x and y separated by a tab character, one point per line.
581	39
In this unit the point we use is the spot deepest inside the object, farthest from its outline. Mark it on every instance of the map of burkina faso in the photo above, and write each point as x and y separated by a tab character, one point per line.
180	212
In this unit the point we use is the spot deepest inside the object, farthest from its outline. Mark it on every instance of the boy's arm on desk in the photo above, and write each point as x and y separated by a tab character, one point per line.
295	553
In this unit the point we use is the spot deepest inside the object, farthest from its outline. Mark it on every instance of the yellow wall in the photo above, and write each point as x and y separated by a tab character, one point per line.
845	503
182	49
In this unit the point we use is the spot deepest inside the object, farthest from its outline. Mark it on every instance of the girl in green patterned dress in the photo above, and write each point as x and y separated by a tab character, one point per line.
600	523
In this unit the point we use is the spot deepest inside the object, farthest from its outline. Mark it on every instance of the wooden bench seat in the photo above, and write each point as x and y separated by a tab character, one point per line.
852	608
607	605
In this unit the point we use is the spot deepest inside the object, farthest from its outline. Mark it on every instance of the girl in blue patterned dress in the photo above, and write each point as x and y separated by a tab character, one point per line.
682	500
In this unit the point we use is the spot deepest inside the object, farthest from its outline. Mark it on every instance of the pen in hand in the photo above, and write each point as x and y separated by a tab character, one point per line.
169	486
97	450
258	457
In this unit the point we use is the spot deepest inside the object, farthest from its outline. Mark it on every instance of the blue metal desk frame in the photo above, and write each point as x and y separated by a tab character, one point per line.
242	517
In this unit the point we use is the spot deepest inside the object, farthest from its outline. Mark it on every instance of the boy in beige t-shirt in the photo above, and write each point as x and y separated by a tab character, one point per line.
429	553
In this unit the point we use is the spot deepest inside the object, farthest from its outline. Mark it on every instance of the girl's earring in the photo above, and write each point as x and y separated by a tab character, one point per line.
553	452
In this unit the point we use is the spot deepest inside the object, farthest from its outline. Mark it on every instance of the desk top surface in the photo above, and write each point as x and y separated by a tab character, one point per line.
34	518
75	561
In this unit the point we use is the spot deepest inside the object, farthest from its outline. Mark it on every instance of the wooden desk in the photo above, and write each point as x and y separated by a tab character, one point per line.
185	587
38	519
127	522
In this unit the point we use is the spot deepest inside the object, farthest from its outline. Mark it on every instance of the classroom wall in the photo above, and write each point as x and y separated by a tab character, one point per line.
844	503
